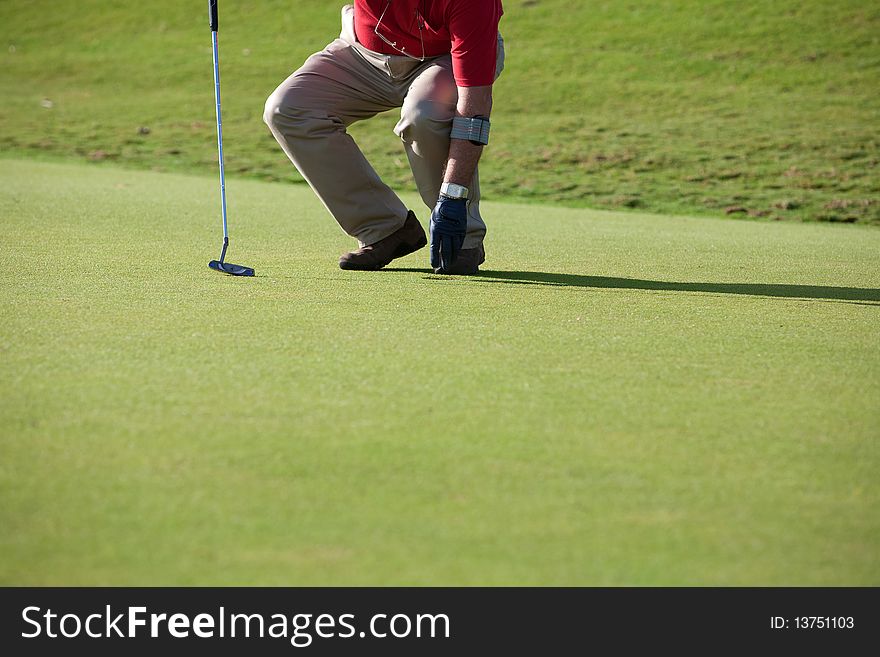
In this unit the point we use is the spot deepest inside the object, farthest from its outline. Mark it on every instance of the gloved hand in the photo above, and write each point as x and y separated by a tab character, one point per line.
448	228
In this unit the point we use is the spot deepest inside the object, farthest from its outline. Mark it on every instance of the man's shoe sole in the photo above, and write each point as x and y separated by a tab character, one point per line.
403	249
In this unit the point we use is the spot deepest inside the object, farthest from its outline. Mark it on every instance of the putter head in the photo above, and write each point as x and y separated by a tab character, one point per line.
229	268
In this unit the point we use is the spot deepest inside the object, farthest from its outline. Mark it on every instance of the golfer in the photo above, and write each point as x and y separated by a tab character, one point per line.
437	61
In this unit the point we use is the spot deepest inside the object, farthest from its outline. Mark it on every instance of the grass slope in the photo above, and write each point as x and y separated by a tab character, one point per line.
618	400
674	106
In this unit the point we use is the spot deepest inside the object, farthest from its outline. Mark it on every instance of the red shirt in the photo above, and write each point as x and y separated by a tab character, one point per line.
466	28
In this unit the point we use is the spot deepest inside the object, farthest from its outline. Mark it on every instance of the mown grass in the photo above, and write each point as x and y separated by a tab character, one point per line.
750	109
618	399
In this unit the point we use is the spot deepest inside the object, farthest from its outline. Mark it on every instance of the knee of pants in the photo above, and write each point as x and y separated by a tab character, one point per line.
283	115
273	108
425	119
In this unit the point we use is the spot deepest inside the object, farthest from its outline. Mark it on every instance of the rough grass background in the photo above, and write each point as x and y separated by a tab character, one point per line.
748	109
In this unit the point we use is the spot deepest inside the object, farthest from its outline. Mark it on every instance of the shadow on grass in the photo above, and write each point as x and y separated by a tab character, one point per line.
606	282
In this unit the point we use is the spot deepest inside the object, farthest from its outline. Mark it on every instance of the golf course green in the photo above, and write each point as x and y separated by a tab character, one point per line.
617	399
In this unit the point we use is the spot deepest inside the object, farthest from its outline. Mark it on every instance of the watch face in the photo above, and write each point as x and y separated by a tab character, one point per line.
454	191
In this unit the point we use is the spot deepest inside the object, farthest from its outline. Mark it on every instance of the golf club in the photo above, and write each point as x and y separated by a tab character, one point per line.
220	265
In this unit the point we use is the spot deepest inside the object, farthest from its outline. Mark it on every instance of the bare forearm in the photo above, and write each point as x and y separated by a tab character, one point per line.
463	155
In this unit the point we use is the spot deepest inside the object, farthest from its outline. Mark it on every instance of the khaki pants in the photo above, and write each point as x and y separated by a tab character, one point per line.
309	112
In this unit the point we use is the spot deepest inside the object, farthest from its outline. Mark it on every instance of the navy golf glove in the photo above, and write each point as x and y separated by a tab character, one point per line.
448	228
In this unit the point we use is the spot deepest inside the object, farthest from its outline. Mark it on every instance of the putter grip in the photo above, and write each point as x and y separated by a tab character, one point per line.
212	13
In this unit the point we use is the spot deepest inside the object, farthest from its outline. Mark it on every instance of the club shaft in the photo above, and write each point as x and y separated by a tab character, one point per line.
220	136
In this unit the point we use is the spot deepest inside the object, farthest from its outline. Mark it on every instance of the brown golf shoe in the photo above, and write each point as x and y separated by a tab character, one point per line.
466	264
408	238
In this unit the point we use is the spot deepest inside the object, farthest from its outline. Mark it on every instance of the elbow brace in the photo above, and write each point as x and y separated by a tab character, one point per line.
474	129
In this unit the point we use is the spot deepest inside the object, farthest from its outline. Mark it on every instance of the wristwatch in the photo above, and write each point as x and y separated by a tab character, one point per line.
451	190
